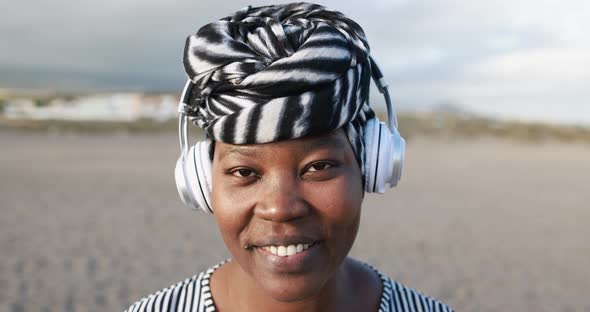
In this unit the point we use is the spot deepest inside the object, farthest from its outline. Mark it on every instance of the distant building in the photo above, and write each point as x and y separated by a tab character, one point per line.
103	107
19	108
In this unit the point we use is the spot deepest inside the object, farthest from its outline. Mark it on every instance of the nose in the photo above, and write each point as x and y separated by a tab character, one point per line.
282	199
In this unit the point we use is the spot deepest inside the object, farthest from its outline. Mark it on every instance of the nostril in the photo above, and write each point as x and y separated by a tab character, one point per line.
282	212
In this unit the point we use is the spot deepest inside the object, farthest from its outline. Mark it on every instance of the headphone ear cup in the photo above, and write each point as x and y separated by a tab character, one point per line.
203	172
384	153
398	152
371	148
180	177
193	177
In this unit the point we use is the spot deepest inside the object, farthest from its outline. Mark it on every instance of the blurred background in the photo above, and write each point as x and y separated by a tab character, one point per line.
493	99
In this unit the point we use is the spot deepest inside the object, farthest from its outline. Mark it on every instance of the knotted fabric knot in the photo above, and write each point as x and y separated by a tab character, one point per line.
279	72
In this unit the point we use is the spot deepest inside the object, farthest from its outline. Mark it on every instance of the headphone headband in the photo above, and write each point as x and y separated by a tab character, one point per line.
383	88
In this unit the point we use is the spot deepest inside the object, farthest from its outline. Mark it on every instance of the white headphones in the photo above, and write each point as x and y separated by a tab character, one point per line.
384	153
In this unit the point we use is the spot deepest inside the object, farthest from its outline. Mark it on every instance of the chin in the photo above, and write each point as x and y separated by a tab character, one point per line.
287	288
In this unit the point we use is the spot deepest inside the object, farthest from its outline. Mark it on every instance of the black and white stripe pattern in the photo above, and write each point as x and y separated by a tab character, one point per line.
190	295
399	298
279	72
194	295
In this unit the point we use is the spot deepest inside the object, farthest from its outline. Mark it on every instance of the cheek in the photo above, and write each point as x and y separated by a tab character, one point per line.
339	208
342	196
338	202
230	211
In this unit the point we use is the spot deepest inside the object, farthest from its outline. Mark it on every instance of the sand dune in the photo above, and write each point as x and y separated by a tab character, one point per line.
92	223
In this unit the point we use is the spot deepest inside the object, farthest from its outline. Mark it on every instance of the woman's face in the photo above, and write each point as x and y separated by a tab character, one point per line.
288	211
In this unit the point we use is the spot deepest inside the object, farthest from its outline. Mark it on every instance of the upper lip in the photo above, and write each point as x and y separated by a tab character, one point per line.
284	240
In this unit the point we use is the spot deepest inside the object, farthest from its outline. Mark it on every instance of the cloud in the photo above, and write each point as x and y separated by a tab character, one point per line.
506	57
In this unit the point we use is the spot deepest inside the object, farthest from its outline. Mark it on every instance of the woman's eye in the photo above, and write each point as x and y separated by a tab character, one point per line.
243	173
319	166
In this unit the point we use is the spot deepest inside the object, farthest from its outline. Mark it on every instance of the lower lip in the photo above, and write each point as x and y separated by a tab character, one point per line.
290	264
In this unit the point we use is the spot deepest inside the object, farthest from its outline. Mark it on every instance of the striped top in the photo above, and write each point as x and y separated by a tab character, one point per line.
194	295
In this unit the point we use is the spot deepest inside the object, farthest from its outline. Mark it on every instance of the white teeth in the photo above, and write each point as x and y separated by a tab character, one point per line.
291	250
282	251
285	251
299	248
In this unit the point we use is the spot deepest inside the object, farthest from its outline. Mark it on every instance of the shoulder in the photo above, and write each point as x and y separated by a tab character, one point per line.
192	294
398	297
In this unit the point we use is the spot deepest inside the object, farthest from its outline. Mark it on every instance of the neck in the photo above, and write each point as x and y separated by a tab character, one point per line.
235	290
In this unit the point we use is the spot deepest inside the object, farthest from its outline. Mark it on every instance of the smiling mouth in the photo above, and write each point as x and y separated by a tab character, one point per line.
286	251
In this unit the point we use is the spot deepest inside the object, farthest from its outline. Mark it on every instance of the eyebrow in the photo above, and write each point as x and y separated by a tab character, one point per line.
241	150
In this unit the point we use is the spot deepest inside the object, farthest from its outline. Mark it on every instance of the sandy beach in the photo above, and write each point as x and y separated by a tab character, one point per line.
94	222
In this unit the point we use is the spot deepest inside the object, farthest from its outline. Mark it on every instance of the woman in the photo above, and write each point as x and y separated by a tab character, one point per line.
292	145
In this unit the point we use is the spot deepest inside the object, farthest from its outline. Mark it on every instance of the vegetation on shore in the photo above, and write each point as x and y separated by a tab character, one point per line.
455	125
411	124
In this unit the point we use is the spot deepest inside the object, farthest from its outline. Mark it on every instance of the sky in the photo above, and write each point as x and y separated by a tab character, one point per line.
515	59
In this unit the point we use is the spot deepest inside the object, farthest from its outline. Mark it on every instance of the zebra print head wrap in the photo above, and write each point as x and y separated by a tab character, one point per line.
280	72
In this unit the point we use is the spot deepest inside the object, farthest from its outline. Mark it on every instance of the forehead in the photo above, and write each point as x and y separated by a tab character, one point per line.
335	140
